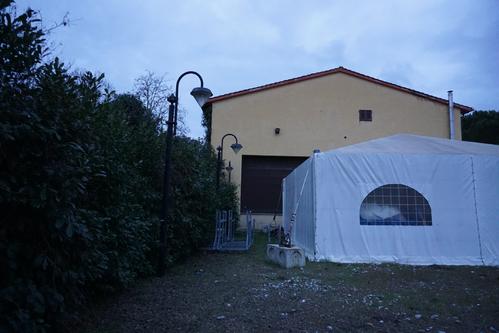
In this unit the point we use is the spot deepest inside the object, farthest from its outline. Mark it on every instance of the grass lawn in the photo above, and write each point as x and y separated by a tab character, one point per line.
241	292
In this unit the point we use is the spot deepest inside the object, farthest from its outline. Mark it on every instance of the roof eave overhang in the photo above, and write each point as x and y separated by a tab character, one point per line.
463	108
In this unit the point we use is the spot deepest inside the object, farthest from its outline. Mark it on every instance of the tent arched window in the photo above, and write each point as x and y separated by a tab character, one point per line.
395	204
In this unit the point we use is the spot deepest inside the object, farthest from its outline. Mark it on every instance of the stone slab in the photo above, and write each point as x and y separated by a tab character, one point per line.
286	257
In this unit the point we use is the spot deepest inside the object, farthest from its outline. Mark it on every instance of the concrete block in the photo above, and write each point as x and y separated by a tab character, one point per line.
287	257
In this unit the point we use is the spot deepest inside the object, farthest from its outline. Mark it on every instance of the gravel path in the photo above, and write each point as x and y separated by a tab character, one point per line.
217	292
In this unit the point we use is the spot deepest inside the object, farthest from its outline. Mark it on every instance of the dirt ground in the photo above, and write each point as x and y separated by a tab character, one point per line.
241	292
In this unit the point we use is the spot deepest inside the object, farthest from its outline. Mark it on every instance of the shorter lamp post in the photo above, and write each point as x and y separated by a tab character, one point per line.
229	169
236	147
201	94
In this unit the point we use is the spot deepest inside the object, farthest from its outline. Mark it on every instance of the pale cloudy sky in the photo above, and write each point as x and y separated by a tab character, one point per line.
431	46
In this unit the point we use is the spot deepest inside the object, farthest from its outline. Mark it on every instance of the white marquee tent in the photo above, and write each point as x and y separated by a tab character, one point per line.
403	198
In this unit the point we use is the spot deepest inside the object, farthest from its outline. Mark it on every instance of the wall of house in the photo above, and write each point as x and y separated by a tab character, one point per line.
321	113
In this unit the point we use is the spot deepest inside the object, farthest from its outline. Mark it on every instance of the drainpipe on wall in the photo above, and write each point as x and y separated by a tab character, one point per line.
451	116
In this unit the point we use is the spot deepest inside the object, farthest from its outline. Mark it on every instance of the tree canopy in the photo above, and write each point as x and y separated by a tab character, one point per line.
481	126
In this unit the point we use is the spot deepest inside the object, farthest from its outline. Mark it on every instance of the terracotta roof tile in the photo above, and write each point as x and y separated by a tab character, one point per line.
464	108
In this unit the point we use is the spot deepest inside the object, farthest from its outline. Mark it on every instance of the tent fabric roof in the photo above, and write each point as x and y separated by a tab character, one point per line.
464	108
418	144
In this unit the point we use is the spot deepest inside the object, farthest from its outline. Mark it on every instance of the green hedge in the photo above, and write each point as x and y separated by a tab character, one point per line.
481	126
80	185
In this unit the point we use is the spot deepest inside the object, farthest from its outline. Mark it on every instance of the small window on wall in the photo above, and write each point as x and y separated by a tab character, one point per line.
365	115
395	204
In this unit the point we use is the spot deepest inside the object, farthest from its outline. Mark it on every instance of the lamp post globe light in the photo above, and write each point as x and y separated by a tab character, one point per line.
201	94
236	147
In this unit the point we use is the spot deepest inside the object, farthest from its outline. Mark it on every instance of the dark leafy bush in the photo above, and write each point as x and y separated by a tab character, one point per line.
80	177
481	126
195	197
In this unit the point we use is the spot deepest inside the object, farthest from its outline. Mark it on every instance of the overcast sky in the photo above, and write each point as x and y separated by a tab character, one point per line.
431	46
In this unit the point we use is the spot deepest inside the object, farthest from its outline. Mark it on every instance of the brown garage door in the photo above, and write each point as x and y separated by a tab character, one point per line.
261	181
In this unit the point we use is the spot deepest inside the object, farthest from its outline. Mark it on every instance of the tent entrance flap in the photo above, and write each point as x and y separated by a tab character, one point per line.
298	207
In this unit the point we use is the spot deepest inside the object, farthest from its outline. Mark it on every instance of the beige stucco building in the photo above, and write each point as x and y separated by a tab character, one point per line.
280	124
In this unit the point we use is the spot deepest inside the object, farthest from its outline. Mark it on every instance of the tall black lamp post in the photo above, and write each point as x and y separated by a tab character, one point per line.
236	147
201	94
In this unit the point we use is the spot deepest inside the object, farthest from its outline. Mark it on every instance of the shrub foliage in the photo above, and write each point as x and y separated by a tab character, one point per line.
481	126
80	177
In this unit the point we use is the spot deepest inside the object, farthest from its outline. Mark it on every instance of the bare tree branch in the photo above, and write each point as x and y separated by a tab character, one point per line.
153	90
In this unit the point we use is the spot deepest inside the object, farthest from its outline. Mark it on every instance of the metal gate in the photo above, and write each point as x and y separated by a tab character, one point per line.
225	237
